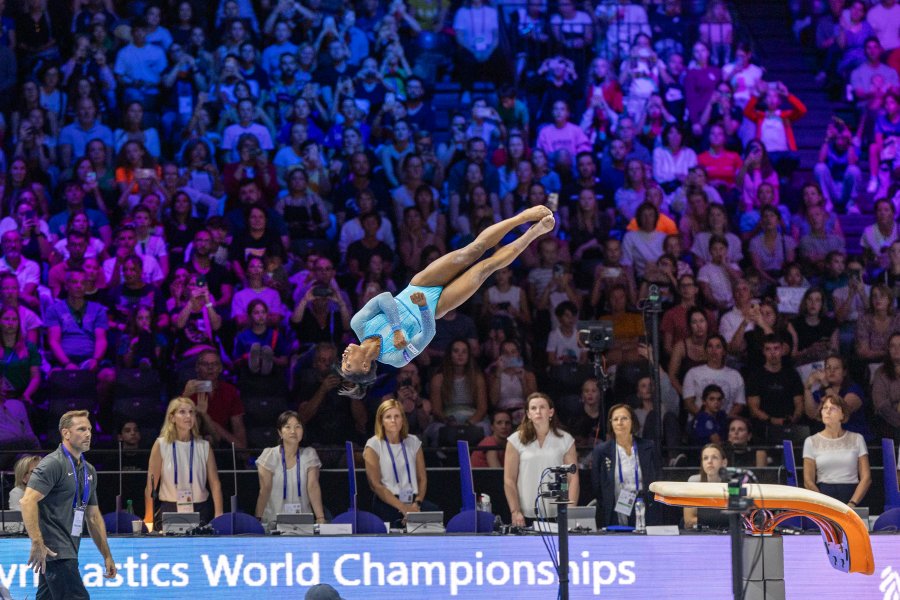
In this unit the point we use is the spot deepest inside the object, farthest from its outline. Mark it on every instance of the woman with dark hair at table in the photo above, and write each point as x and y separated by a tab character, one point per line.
539	443
836	461
624	466
712	458
288	475
395	466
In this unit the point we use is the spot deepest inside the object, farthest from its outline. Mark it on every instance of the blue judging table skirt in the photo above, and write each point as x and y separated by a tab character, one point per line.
455	566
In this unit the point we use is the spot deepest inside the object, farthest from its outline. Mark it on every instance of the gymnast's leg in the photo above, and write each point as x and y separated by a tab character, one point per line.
464	287
445	269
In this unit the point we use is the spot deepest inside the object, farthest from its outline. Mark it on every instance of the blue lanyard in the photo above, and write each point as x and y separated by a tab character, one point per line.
394	462
637	477
191	466
86	489
285	470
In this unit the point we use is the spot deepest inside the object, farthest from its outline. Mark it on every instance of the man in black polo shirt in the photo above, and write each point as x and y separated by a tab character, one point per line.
60	499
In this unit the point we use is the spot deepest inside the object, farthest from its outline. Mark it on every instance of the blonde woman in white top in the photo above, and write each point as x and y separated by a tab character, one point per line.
288	475
395	466
183	467
538	444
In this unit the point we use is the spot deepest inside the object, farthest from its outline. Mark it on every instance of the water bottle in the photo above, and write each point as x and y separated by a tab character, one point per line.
129	507
639	515
484	503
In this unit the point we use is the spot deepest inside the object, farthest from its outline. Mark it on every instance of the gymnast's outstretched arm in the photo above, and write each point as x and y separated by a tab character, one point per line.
382	303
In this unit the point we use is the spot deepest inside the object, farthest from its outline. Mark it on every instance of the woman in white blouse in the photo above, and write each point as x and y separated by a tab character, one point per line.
183	466
538	444
291	472
836	461
23	469
395	466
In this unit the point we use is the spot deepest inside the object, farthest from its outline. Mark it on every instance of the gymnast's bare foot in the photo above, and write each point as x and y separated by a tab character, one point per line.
546	224
536	213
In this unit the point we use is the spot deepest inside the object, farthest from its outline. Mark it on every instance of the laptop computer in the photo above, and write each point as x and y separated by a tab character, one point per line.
863	512
295	523
12	522
425	522
175	523
583	518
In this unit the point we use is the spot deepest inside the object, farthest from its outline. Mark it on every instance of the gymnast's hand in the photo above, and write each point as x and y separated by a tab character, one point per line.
400	340
418	298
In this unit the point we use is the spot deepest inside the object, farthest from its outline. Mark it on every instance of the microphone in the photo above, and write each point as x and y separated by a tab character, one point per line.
563	469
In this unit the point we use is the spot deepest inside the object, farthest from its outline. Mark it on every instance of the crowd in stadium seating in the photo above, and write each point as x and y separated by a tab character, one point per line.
197	193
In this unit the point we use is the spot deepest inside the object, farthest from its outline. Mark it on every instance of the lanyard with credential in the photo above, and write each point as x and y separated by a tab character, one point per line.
394	462
637	477
86	489
191	467
285	470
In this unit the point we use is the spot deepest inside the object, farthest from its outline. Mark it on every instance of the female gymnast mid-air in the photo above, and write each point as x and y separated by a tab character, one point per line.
394	330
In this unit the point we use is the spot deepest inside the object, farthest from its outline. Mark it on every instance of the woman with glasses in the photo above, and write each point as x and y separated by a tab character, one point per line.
836	461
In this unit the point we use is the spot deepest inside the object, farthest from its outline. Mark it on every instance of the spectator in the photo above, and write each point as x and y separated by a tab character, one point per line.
260	347
700	83
711	422
257	290
834	380
562	135
836	171
140	65
886	390
329	418
689	352
779	142
183	466
74	138
836	462
878	237
714	372
774	395
494	446
644	246
816	332
297	464
718	278
219	405
538	443
510	382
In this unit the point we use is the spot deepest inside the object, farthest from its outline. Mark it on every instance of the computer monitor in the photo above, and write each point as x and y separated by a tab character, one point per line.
176	523
295	523
582	518
425	522
12	522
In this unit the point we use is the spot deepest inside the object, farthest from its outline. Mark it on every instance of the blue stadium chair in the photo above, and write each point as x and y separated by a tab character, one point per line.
889	521
790	467
471	521
119	523
242	524
362	521
891	492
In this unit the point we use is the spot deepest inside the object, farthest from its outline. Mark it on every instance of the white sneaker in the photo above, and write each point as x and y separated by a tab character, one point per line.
873	185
